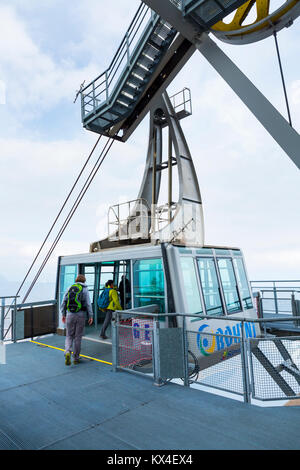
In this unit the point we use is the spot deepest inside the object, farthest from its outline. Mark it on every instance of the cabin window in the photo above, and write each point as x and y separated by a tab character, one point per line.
122	280
243	283
68	275
191	289
148	283
89	272
220	252
210	286
230	290
107	273
204	251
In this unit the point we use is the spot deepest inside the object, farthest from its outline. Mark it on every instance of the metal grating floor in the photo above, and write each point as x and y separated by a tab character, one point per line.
46	405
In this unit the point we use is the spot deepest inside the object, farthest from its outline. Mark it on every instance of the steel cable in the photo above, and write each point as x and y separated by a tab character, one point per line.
85	187
52	226
59	213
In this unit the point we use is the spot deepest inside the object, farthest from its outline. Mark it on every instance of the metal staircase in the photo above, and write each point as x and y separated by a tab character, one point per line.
144	63
111	97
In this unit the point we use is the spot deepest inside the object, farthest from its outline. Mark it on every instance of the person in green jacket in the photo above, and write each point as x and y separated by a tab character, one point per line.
113	305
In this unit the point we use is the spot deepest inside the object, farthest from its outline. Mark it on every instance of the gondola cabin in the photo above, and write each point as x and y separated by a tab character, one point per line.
206	281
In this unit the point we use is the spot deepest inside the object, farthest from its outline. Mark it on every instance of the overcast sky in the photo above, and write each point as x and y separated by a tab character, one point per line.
250	187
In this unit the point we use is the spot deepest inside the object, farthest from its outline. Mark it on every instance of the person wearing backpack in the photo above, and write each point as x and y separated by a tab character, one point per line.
76	303
109	302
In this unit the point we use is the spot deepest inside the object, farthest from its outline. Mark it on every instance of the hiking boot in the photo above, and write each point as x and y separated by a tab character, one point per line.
68	359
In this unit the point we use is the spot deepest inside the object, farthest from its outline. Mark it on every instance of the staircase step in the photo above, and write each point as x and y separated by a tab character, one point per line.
132	80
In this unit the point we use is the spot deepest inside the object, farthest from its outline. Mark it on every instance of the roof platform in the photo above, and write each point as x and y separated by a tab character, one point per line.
46	405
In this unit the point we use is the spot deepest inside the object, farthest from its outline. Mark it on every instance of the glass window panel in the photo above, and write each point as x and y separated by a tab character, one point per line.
148	283
229	285
222	252
210	286
89	272
204	251
191	288
104	277
114	270
68	275
106	274
124	284
185	251
237	252
243	283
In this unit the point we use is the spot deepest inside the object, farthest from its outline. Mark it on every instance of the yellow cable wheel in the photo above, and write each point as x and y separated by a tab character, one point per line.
255	20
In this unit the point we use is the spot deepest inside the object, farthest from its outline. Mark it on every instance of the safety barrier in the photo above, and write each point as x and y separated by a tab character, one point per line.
276	297
22	321
234	356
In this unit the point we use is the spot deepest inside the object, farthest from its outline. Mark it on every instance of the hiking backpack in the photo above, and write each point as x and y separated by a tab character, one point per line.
74	303
103	300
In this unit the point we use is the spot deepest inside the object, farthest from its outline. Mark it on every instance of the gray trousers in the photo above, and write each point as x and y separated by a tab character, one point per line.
75	328
107	321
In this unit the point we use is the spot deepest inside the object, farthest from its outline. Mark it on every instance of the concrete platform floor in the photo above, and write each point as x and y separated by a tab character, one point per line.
47	405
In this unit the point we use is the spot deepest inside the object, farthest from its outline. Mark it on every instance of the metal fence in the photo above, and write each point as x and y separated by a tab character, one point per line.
21	321
254	367
276	297
8	313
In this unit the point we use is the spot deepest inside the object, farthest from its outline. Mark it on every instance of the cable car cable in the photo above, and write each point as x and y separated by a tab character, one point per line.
59	213
282	79
67	220
72	211
57	217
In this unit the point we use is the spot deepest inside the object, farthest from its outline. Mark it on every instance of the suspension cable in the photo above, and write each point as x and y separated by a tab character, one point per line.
57	217
282	79
72	211
59	213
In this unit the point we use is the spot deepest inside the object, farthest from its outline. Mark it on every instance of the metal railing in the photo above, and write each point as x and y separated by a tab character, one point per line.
235	357
276	297
21	321
99	90
182	102
129	220
8	313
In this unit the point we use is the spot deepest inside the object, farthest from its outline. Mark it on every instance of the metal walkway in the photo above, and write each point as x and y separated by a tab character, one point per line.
46	405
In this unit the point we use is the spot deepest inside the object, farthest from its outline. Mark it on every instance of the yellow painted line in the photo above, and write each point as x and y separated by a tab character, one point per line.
81	355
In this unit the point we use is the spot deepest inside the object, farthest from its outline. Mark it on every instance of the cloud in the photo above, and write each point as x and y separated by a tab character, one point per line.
34	81
250	188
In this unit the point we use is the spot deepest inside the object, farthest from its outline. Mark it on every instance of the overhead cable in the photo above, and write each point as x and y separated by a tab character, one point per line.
282	79
72	211
59	213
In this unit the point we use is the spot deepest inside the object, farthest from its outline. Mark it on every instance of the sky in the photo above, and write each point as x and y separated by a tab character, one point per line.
249	186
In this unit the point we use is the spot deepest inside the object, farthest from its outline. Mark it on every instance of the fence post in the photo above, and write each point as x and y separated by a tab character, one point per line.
2	319
245	370
14	321
127	49
106	84
114	335
275	298
185	354
156	353
295	310
94	105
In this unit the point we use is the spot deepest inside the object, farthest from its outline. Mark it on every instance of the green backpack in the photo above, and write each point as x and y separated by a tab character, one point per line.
74	303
